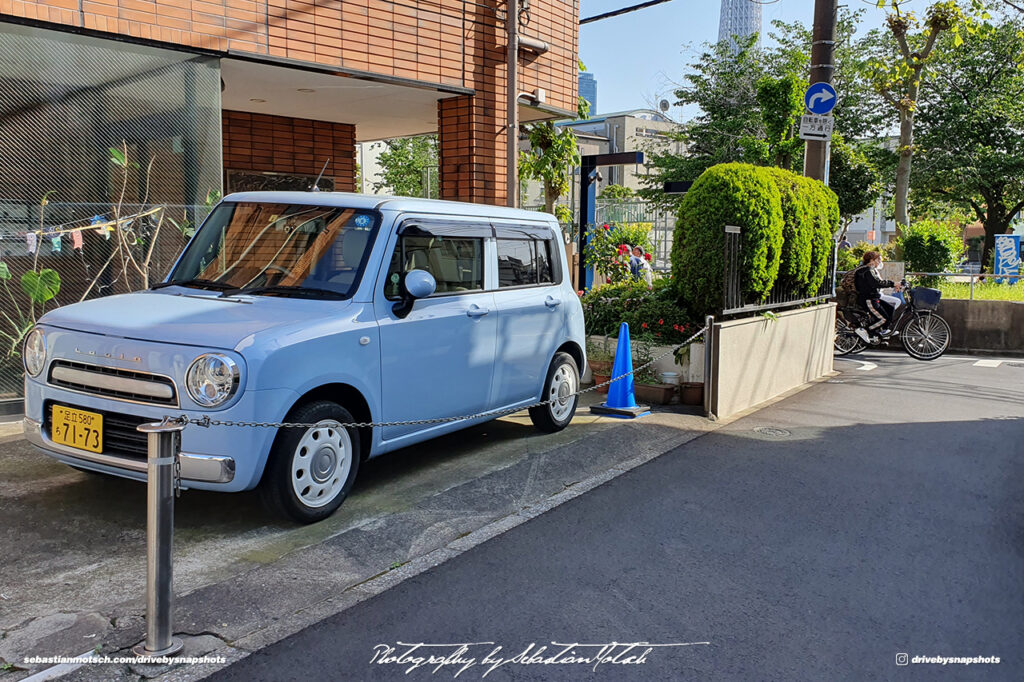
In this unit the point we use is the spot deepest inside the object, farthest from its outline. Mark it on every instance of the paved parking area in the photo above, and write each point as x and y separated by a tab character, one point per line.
72	573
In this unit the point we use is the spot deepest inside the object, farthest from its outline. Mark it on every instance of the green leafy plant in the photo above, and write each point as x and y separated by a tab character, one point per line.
643	353
797	229
653	312
931	246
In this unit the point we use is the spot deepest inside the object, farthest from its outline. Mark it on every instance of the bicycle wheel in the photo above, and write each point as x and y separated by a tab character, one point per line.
926	336
846	340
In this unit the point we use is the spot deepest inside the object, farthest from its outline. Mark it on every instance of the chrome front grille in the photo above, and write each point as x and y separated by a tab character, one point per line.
112	382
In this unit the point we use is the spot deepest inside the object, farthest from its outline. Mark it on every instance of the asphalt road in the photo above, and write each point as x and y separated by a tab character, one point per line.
873	515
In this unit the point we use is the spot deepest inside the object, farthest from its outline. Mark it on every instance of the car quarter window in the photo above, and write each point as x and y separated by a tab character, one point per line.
524	262
456	263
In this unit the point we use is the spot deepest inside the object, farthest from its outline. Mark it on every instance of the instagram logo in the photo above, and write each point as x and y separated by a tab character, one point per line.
902	659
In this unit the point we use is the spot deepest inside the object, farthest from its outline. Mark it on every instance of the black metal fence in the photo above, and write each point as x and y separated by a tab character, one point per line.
783	293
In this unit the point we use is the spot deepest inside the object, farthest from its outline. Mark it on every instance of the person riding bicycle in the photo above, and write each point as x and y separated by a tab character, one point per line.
868	285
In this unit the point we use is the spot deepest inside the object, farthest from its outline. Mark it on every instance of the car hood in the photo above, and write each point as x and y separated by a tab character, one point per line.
194	318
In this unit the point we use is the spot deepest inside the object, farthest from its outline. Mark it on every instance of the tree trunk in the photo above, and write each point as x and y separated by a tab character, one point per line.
906	151
996	222
550	198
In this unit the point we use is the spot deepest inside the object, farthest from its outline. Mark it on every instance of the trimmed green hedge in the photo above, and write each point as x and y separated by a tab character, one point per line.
797	229
825	209
788	224
727	194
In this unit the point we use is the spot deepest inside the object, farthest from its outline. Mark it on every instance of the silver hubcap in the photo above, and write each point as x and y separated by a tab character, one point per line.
321	465
561	392
927	335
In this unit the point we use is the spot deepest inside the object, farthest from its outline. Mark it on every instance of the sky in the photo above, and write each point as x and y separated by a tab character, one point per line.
637	57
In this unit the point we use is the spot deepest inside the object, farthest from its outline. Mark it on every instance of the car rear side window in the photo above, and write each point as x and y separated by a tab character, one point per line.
456	263
524	262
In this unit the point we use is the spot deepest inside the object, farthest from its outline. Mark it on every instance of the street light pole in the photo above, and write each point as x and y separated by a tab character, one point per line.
512	22
826	13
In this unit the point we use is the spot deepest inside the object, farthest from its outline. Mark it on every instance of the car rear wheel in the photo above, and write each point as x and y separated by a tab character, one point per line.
311	470
560	386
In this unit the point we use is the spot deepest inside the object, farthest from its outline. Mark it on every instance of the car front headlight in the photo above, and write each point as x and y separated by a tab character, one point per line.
211	379
35	352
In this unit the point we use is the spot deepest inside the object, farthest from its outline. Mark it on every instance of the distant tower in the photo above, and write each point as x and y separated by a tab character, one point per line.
739	18
588	90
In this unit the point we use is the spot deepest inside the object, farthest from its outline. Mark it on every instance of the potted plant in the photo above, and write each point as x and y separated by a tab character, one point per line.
600	361
690	392
646	384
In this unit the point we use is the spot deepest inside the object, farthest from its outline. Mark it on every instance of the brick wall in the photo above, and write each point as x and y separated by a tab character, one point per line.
277	144
420	39
447	42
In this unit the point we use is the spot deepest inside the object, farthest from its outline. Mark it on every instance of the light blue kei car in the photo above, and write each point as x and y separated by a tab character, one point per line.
317	308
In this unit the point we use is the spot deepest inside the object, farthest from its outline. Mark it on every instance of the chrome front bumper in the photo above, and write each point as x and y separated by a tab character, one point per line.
207	468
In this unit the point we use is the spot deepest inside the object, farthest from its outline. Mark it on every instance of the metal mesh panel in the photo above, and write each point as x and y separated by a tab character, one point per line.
65	100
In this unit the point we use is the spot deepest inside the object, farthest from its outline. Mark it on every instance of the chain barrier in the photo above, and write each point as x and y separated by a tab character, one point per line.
207	422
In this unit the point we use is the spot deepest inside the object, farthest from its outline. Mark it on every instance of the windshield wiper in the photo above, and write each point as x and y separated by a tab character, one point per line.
198	283
288	290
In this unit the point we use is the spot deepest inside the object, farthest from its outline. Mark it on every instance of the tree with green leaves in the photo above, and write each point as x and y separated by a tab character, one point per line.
553	153
409	167
898	70
853	178
972	128
782	102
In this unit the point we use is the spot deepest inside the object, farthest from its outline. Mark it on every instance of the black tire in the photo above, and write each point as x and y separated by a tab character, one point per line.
846	340
563	377
926	336
338	448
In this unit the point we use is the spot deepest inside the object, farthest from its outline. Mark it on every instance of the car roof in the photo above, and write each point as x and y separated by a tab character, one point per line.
381	202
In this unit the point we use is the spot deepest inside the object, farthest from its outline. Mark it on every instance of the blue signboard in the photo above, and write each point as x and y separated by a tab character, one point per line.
820	98
1008	256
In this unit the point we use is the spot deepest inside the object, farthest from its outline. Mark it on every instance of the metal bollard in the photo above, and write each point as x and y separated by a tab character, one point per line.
164	440
709	351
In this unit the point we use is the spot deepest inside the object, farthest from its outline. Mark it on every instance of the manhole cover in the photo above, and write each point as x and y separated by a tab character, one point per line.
771	431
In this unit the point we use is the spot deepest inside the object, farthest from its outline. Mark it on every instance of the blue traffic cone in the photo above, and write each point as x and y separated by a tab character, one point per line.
621	396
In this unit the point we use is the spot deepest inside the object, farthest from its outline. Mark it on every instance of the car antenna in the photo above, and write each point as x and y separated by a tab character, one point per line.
316	183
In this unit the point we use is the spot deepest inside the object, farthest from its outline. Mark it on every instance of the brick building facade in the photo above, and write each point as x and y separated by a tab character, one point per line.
301	82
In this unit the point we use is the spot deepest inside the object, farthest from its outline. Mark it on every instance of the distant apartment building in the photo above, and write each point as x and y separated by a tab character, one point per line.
588	90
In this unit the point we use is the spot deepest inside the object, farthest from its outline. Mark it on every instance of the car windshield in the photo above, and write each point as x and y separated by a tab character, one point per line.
279	250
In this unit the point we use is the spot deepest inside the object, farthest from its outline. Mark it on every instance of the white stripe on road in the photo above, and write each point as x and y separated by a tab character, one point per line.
866	366
988	363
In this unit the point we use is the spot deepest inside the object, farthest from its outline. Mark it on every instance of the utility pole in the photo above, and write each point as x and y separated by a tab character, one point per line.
826	13
512	22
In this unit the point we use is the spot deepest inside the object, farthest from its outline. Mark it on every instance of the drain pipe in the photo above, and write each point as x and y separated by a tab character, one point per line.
512	21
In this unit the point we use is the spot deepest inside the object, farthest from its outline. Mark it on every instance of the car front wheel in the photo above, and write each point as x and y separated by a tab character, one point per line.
560	386
311	470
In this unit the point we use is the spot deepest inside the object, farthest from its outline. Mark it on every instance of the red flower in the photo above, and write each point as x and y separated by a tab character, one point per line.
644	325
661	321
606	226
647	256
580	292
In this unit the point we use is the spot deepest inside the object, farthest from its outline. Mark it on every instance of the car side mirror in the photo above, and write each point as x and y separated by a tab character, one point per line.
415	284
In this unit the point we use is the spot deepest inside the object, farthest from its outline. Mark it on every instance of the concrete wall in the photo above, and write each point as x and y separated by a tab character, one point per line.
985	326
757	358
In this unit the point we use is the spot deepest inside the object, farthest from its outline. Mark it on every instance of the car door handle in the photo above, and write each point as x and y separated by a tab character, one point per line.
477	311
552	302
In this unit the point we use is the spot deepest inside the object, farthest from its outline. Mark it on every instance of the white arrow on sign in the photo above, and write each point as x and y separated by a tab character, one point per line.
822	96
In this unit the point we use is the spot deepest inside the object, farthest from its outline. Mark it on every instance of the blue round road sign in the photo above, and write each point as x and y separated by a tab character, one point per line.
820	98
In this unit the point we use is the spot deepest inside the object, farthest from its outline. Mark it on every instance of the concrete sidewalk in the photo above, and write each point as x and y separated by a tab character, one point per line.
74	563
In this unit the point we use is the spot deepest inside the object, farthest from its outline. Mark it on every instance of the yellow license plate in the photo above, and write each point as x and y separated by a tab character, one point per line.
77	428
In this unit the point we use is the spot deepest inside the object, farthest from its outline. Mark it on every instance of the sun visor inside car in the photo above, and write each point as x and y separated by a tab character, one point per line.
522	231
438	228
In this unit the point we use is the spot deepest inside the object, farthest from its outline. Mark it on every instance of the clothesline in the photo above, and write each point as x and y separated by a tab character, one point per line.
33	238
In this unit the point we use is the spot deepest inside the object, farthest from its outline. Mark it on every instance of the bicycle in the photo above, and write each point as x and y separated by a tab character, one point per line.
923	333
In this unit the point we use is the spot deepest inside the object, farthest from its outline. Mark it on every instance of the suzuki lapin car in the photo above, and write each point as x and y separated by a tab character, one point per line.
317	308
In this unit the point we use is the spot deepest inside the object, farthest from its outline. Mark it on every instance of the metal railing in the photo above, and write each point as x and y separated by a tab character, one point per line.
959	277
783	293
